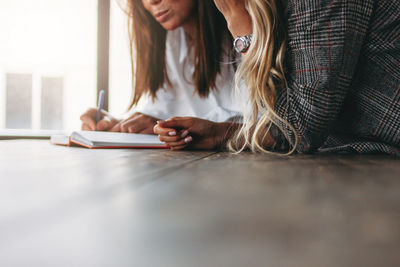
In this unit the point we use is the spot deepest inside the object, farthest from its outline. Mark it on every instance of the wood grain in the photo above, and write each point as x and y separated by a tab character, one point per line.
64	206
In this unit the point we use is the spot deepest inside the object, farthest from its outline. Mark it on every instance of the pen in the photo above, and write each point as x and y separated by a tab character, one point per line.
100	105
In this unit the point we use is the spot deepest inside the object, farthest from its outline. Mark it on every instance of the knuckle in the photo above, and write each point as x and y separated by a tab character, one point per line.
148	130
117	126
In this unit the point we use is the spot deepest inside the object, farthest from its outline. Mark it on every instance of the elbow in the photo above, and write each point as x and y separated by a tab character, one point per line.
304	149
307	144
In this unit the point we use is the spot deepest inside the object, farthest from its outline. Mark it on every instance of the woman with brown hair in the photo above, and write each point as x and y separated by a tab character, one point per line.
180	50
322	76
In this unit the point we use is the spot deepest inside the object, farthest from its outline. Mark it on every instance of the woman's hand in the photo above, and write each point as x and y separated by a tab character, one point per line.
236	15
188	132
106	122
137	123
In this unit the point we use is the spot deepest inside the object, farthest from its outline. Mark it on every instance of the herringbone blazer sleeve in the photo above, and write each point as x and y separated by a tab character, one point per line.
325	39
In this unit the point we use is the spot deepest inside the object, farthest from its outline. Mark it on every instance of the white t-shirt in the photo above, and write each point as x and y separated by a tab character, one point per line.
180	98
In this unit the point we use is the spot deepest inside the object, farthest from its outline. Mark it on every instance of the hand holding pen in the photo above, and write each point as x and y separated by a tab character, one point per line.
96	119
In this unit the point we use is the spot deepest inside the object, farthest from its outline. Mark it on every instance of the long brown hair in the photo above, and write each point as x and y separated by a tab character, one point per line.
147	44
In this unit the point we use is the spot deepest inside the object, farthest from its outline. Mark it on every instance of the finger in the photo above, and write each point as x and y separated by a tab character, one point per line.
181	142
89	121
131	126
169	139
86	127
178	147
147	130
184	133
141	123
125	123
116	128
164	131
91	113
137	128
123	129
104	124
177	122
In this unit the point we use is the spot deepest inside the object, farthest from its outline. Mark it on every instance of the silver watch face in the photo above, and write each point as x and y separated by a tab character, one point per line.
240	46
242	43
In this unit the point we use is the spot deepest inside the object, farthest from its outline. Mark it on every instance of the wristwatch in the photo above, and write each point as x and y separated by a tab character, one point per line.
242	43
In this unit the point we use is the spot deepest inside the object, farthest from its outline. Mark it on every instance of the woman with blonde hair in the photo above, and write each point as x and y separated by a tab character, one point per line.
322	76
180	50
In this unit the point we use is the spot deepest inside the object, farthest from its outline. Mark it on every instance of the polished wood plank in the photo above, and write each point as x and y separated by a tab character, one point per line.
44	184
303	210
163	208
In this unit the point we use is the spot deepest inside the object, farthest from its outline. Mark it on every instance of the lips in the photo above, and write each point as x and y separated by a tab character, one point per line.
161	16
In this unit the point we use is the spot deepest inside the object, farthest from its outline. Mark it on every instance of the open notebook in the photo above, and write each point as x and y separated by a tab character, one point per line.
91	139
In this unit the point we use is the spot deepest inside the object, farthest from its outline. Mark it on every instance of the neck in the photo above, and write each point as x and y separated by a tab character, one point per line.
190	30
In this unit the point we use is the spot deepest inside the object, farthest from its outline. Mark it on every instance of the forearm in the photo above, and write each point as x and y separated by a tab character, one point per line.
317	88
225	131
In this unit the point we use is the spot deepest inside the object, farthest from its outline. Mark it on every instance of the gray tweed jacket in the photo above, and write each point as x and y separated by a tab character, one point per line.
343	71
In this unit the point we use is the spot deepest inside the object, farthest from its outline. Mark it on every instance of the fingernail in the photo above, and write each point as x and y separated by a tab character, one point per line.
185	133
172	133
188	139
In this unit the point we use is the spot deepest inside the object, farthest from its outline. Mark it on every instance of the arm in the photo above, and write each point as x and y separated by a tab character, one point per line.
322	57
194	133
325	39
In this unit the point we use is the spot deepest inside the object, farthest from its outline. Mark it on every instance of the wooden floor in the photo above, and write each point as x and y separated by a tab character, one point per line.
62	206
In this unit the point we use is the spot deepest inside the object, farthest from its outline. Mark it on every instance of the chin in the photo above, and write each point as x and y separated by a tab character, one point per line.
170	26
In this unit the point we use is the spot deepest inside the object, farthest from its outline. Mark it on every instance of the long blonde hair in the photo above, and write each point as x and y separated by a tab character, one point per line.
262	70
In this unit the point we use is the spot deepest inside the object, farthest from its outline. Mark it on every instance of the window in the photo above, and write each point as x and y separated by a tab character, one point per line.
120	65
48	62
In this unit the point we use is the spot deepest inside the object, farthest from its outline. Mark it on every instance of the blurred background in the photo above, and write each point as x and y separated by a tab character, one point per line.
49	61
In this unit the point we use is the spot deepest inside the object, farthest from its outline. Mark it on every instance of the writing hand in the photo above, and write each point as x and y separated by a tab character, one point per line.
105	123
